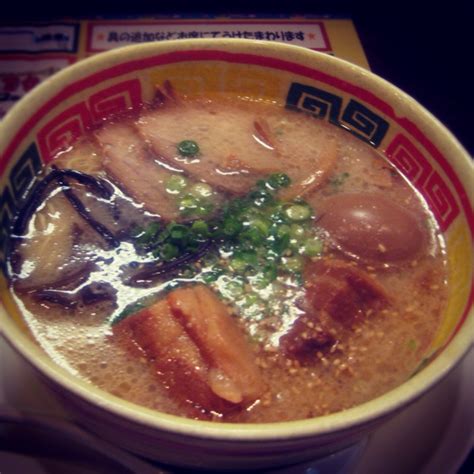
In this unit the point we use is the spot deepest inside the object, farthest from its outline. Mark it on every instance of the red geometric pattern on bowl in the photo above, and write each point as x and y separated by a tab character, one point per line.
118	98
64	129
411	162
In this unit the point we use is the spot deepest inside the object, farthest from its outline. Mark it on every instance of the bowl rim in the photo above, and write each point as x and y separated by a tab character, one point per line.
363	414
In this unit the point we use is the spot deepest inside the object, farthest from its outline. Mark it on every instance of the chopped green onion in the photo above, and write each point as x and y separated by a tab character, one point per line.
281	244
262	226
188	202
298	212
188	148
146	236
293	264
231	227
204	209
238	265
176	184
200	228
188	205
279	180
169	251
261	280
163	236
178	232
153	227
212	275
283	230
201	190
191	205
253	235
297	232
312	247
270	271
248	256
243	259
234	288
261	197
251	299
236	206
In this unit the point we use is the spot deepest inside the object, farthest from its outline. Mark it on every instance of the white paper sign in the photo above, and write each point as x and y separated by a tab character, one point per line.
109	36
34	39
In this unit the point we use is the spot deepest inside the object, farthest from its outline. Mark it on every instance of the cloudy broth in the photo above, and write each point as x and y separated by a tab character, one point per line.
229	260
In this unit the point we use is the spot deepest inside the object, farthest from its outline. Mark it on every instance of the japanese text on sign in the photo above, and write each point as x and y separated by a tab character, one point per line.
109	36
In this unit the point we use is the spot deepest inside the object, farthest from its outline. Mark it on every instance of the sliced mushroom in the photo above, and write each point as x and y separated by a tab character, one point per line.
45	254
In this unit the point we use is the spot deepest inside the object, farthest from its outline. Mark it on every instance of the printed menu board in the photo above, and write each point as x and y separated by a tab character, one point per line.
29	53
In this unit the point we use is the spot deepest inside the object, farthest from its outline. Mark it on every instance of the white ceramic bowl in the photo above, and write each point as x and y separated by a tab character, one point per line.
58	112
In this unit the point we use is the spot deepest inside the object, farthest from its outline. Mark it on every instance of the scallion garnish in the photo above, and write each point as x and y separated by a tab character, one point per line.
188	148
176	184
298	212
279	180
255	238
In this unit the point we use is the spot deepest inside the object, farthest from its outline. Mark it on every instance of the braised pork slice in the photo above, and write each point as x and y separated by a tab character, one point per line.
236	148
128	162
309	162
233	375
197	350
176	358
342	290
229	156
339	295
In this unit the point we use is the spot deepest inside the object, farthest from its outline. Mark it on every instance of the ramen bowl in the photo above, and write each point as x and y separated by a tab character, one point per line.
59	111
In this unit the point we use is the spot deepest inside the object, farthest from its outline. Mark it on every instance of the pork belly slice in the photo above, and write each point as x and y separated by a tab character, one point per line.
196	349
175	357
128	162
234	374
343	290
338	297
